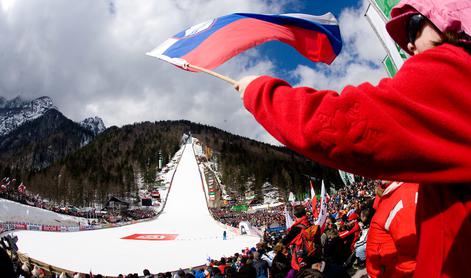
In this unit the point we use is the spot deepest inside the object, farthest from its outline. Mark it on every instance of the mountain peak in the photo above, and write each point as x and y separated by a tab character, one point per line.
94	124
17	111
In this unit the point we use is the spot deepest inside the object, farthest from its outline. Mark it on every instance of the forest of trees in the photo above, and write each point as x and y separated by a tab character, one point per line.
109	163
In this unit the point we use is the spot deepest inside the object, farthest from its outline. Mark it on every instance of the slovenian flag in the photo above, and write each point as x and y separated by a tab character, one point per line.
210	44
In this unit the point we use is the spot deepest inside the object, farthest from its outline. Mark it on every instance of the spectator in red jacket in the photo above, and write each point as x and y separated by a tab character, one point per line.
391	247
414	127
353	230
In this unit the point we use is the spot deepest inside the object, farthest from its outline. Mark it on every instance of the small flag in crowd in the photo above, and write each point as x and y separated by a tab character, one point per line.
313	201
211	43
21	188
291	197
288	220
323	210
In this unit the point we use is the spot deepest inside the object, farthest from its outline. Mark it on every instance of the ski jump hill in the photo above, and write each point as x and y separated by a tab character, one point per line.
183	235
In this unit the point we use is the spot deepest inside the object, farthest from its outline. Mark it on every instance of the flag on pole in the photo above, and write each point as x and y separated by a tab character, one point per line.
313	192
323	210
313	200
291	197
21	188
288	220
211	43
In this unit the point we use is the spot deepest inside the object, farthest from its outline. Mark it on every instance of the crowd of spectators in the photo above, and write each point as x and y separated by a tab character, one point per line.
257	218
11	190
272	255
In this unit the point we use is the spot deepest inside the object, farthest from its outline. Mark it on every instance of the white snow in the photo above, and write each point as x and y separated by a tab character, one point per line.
103	251
165	176
15	212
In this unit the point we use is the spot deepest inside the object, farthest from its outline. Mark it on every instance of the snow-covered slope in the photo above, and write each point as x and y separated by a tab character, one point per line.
19	213
15	112
185	216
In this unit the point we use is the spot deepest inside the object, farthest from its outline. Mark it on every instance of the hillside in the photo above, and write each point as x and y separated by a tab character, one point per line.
113	161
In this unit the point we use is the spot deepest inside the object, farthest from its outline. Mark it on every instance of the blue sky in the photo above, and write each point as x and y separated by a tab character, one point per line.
89	56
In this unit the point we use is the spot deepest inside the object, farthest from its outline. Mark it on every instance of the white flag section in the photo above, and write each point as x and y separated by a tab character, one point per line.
378	24
343	177
350	177
323	210
313	193
346	177
291	197
288	220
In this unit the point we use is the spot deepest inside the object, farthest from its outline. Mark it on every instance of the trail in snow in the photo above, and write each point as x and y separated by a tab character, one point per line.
104	251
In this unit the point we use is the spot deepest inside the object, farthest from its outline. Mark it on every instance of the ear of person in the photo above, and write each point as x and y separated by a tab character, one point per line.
411	47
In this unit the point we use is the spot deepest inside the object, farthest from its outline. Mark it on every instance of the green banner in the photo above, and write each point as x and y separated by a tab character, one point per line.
389	65
240	208
385	6
401	52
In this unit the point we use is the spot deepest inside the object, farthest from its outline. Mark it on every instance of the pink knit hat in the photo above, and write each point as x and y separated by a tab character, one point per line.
446	15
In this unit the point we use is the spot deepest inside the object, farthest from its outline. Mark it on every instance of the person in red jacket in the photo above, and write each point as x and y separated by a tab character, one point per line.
302	222
354	230
391	247
414	127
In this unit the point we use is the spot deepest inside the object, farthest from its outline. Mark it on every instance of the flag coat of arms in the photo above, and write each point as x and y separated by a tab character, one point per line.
211	43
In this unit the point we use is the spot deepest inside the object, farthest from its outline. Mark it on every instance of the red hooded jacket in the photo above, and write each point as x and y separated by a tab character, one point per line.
355	230
391	246
415	127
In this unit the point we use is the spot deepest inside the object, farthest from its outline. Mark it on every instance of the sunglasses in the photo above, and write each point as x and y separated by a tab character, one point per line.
415	24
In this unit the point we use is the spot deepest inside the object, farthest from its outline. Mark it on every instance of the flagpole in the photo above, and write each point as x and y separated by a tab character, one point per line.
215	74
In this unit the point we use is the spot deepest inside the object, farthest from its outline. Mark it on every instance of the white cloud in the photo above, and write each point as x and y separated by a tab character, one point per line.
6	4
89	56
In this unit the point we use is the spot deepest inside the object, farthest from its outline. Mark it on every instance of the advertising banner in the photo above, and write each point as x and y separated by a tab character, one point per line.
49	228
34	227
73	229
389	66
86	228
384	6
20	226
8	226
377	22
151	237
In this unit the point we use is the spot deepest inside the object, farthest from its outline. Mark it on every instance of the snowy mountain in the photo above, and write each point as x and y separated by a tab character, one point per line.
95	125
16	112
38	143
2	101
